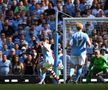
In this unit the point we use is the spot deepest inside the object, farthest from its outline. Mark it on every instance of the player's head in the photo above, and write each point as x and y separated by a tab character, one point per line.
97	53
46	39
79	26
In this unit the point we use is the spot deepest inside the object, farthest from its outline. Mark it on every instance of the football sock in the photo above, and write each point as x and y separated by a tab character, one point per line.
53	74
71	72
78	74
42	76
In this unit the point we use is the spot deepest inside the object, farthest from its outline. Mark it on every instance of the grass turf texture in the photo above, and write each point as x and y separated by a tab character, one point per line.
54	87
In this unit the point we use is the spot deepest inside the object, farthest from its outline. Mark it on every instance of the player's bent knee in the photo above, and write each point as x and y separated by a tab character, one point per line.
107	71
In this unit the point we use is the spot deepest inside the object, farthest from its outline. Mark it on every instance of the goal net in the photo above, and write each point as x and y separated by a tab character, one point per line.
96	28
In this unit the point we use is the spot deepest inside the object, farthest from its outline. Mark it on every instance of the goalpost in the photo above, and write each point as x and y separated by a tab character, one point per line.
69	23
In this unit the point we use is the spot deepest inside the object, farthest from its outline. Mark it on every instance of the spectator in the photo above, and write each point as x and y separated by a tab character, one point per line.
8	11
52	22
42	16
89	3
106	7
5	49
20	7
11	57
104	52
7	29
10	44
1	17
106	44
14	4
17	50
23	42
89	28
44	4
96	10
70	7
29	65
50	9
38	9
58	6
17	68
5	66
24	17
26	4
3	6
32	7
0	55
2	40
46	30
22	58
89	15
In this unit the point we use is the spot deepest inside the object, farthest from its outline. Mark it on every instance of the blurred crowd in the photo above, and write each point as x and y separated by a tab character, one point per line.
24	25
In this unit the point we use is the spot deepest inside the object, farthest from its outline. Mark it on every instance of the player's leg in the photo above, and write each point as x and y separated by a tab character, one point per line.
92	73
80	63
71	73
42	76
85	67
53	74
72	67
42	72
95	72
48	67
78	73
101	73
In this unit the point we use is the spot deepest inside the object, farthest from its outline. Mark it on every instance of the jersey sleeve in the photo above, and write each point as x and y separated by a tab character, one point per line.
87	38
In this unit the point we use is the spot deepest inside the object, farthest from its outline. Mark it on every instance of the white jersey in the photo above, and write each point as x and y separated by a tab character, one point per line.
47	54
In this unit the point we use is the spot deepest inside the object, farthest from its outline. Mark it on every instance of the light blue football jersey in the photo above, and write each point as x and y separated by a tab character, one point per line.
79	43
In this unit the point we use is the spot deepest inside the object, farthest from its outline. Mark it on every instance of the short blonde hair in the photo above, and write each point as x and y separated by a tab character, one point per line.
79	26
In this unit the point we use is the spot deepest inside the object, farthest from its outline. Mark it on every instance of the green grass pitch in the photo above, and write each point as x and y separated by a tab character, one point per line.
54	87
